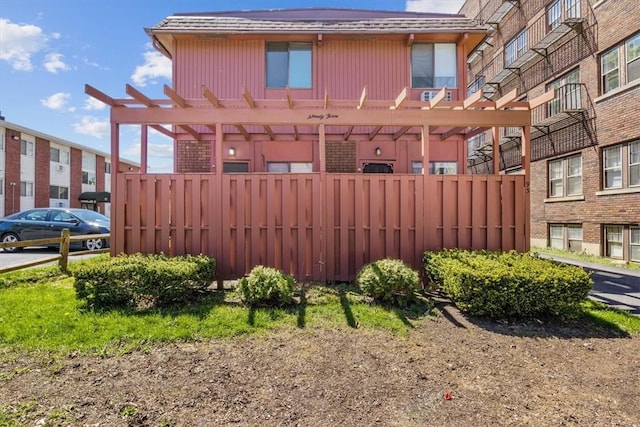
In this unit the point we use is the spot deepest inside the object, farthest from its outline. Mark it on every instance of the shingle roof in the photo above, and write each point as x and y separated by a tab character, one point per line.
316	20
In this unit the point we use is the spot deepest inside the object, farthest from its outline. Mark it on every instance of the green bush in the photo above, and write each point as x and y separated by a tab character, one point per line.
389	280
509	284
266	286
134	280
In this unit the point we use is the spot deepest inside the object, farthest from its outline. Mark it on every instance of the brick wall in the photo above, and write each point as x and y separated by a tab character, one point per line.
12	172
193	156
100	161
341	157
43	165
76	178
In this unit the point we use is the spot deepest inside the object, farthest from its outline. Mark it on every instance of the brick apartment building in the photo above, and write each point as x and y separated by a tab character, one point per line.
40	170
585	170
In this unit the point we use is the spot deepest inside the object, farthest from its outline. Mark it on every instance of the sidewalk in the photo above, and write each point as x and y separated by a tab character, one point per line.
616	286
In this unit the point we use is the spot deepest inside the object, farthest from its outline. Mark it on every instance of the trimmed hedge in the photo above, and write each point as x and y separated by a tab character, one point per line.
266	286
389	280
130	280
509	284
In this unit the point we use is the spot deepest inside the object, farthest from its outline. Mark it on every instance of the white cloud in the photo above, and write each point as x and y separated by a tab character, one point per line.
18	42
53	63
57	101
164	151
155	66
93	126
434	6
93	104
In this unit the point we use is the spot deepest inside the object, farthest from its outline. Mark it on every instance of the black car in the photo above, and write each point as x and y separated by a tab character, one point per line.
48	223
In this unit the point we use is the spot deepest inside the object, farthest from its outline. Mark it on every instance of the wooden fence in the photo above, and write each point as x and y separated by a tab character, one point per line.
317	227
63	242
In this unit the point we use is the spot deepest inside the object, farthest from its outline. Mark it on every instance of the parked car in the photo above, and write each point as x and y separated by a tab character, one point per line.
48	223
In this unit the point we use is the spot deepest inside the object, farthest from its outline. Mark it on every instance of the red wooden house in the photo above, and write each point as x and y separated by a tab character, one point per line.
277	118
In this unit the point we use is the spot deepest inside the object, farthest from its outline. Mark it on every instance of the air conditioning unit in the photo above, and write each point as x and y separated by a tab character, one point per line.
428	95
60	168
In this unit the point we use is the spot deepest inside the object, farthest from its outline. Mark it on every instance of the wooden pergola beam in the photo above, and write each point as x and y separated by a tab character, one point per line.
244	132
402	96
374	132
163	131
213	100
191	131
268	130
177	99
542	99
101	96
139	96
472	100
506	99
326	99
296	135
363	98
401	132
289	98
438	98
347	134
246	94
411	39
453	131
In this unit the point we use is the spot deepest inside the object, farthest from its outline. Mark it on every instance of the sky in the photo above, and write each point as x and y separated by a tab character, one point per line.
49	49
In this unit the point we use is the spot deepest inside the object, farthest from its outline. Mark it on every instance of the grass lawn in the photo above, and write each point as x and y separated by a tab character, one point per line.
581	256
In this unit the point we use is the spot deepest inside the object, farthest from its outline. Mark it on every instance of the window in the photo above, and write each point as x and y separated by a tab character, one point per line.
88	178
635	243
443	168
613	241
475	86
107	167
612	167
235	167
565	177
633	58
26	148
26	189
1	186
565	237
88	162
57	192
288	64
1	141
567	94
626	53
416	167
433	65
621	166
515	48
293	167
59	156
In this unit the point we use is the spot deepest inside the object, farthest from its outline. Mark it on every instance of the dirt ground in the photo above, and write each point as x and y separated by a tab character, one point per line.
452	371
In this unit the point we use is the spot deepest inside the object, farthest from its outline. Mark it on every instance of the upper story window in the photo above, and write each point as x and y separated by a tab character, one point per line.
567	93
565	177
433	65
620	65
560	10
26	148
288	65
107	167
621	166
515	48
476	85
88	162
59	156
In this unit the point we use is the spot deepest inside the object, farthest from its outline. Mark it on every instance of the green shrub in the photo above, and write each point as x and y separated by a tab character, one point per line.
134	280
266	286
389	280
503	285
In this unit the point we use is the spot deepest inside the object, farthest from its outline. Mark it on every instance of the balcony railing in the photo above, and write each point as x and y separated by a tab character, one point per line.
571	104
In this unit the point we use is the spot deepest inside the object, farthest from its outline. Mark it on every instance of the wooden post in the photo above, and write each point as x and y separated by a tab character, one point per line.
64	250
526	166
495	144
218	177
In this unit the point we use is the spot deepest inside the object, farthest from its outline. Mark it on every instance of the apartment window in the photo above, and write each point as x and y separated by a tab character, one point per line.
433	65
1	141
26	189
1	186
633	58
288	65
26	148
621	166
416	167
235	167
286	167
59	156
613	241
107	167
476	85
566	237
443	168
58	192
88	162
612	160
567	93
565	177
88	178
515	48
634	253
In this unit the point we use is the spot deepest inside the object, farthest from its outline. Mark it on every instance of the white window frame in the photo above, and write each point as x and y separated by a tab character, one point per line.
516	47
632	56
565	177
634	243
633	149
289	167
612	232
617	168
607	74
439	67
443	168
26	148
26	189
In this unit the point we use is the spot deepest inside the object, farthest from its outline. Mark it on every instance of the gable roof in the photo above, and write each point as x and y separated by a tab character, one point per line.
315	20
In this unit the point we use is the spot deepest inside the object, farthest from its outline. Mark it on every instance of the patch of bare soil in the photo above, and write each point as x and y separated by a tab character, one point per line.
453	371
